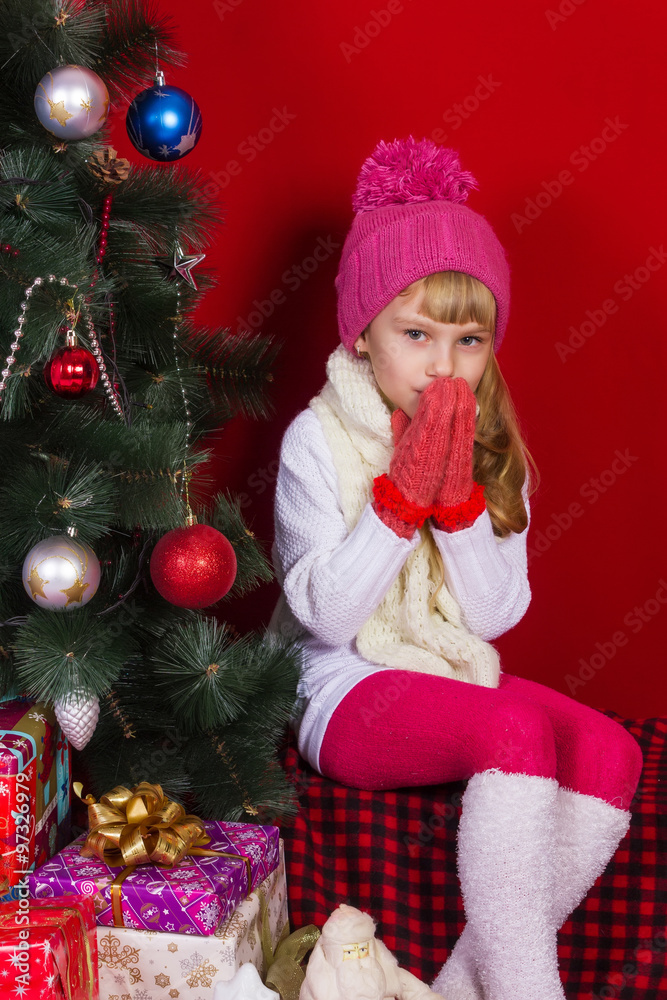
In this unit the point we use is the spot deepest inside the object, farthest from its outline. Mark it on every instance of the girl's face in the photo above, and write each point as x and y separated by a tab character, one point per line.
408	351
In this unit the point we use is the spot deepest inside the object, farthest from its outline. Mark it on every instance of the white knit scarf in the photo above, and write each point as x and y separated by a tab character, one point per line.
403	632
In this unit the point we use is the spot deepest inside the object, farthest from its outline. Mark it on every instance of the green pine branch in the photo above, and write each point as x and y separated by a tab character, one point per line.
59	653
252	564
238	367
46	498
32	42
133	30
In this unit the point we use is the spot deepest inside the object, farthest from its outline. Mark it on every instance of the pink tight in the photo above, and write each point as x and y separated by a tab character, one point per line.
399	728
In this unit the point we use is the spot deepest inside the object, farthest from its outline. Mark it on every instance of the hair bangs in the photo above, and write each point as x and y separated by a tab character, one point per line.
454	297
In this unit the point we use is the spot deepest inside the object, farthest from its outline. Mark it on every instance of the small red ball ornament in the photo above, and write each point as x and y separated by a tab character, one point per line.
72	371
193	567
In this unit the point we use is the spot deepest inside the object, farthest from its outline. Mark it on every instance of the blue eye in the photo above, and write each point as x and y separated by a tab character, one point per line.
418	334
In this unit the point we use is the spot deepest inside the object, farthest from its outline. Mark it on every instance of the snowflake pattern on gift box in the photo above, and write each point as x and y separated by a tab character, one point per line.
37	716
162	980
174	994
172	947
4	789
235	926
254	852
252	940
227	955
88	870
111	955
209	915
197	971
142	995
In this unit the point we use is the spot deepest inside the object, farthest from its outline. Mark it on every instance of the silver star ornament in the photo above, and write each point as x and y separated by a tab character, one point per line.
180	265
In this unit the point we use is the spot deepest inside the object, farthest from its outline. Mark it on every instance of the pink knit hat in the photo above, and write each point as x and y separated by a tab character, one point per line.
411	222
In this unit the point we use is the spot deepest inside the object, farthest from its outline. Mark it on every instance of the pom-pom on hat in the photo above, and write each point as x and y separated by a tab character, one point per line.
410	222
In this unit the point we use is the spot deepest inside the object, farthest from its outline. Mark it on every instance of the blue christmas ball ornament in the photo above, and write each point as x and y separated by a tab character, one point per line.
164	123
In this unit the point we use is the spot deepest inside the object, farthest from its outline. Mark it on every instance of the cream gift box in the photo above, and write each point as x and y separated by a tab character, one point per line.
143	965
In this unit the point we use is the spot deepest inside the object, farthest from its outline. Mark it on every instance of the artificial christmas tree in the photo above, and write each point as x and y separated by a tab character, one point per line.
109	402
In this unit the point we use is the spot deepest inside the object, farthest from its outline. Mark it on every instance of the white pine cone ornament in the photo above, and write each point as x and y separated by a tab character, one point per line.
77	714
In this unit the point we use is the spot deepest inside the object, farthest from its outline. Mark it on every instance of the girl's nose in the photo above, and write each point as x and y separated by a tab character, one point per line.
440	364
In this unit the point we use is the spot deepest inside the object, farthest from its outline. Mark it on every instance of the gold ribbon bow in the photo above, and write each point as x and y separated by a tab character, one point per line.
138	826
141	825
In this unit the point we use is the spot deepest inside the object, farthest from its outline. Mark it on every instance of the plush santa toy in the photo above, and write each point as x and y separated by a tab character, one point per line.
349	963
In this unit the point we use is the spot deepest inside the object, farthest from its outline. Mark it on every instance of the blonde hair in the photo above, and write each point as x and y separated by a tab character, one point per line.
501	461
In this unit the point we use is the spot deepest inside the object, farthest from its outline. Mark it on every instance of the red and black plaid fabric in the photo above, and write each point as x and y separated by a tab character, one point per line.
394	855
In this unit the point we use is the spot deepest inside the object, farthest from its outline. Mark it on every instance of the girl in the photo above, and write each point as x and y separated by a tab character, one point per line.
401	520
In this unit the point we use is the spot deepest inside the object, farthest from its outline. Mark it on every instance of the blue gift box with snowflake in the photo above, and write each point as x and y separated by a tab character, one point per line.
192	897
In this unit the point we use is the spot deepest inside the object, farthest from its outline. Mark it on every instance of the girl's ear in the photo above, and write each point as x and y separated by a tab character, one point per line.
360	343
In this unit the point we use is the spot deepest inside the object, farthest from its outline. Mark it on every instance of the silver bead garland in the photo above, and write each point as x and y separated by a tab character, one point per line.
10	360
186	405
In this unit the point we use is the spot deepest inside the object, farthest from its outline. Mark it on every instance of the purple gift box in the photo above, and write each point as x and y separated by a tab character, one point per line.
193	897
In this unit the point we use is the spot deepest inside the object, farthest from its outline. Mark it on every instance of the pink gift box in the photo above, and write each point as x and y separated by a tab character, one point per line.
193	897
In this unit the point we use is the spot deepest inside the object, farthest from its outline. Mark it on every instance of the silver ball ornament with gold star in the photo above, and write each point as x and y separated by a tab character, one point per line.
72	102
60	573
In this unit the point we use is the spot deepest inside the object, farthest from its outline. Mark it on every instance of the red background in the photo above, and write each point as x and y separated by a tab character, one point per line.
345	75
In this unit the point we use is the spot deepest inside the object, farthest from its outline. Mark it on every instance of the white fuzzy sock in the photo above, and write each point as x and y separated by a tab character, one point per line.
588	832
505	860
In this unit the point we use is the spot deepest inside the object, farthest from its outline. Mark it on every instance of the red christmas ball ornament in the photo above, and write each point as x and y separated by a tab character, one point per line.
193	567
72	371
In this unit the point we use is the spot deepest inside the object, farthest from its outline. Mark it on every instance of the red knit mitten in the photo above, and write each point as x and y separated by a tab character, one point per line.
460	500
404	497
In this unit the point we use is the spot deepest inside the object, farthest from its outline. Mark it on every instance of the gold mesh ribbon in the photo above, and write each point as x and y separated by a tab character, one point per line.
138	826
285	974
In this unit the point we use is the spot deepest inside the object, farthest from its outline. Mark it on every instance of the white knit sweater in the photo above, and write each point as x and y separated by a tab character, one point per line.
333	580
